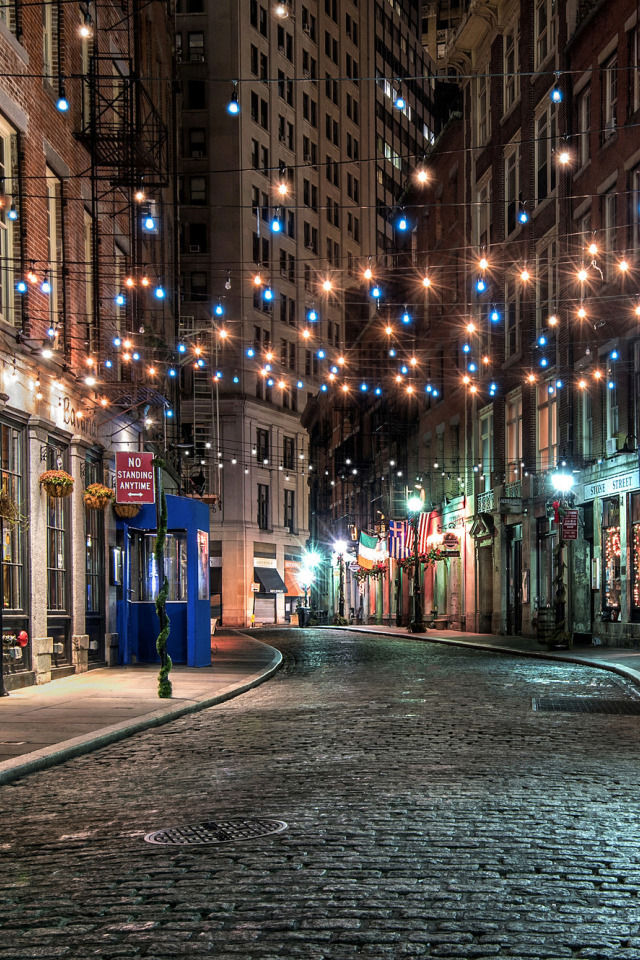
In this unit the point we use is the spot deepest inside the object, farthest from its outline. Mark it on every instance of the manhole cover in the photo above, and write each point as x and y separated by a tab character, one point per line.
216	831
587	705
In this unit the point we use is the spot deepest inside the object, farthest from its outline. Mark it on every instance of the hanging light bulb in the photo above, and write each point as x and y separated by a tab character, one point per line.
219	310
582	275
159	292
45	286
525	275
422	176
233	107
399	102
368	273
523	215
483	263
62	103
21	286
327	286
481	285
85	29
402	222
312	315
13	213
120	299
426	282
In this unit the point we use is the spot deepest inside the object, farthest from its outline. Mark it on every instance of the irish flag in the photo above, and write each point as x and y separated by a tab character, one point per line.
367	551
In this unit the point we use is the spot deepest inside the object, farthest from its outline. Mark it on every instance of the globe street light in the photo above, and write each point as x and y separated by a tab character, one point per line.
340	548
414	510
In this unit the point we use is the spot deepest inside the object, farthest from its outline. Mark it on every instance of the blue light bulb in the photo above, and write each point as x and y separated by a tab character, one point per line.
21	286
611	385
559	384
117	342
276	226
400	103
495	316
172	372
406	318
402	223
120	300
313	316
45	286
472	367
364	387
300	384
233	107
251	352
182	348
480	285
392	352
321	354
236	379
219	310
169	413
13	214
404	369
428	388
544	362
614	354
200	362
108	364
523	216
434	392
466	348
62	104
378	391
135	356
149	223
376	292
268	294
556	95
159	292
324	388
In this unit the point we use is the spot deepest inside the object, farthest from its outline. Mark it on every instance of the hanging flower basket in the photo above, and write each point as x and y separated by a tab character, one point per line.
8	507
127	511
97	496
57	483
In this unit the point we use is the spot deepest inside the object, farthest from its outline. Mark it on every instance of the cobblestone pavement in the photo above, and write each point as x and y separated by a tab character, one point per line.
431	813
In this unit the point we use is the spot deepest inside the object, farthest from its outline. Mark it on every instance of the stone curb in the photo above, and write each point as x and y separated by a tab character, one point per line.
627	672
56	753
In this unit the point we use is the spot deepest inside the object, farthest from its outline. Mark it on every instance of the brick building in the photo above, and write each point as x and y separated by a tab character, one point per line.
87	300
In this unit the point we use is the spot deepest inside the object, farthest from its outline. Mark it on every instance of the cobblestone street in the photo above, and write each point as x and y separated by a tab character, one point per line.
431	813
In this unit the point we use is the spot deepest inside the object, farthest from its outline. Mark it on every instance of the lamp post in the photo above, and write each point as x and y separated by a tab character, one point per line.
414	510
562	483
340	548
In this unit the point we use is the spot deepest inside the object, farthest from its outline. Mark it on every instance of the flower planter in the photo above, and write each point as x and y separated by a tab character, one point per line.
97	496
126	511
57	483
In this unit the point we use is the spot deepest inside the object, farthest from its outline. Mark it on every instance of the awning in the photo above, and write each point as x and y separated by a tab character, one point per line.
270	580
290	571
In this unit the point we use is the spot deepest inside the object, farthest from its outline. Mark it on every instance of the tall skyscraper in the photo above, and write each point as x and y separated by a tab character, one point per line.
301	125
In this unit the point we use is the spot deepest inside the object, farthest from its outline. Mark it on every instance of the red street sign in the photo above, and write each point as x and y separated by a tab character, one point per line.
570	525
134	477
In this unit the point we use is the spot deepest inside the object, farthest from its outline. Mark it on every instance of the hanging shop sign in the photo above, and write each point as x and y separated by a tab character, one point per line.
570	525
446	541
134	477
618	484
510	504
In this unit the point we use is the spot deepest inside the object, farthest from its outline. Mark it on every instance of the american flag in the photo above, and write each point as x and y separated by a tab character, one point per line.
423	524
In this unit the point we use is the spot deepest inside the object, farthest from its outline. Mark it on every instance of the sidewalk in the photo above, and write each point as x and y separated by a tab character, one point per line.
621	660
44	725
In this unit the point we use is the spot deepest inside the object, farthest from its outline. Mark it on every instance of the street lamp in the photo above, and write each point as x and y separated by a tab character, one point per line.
340	548
414	510
562	483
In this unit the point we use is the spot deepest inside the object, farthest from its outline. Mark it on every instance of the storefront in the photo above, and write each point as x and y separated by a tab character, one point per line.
269	584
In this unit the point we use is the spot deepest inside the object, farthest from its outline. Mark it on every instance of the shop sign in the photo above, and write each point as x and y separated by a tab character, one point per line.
134	477
267	563
619	484
510	504
255	587
570	525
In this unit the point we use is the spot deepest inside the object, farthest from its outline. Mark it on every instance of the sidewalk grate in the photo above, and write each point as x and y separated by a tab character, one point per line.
216	831
626	708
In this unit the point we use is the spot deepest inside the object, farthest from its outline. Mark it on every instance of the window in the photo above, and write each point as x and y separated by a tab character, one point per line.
262	445
546	283
513	421
512	186
285	88
57	544
635	555
289	511
310	235
547	438
309	24
511	63
145	582
309	66
613	422
197	190
199	286
609	95
611	553
482	104
263	506
285	42
546	133
197	143
485	444
196	46
197	235
609	203
196	95
545	29
14	539
635	207
512	321
634	73
584	127
483	215
587	425
54	245
50	40
8	143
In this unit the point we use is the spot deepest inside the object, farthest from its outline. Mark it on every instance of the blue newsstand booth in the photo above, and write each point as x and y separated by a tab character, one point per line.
133	572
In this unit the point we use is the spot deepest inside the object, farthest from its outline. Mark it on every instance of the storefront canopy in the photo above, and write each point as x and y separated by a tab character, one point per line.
270	580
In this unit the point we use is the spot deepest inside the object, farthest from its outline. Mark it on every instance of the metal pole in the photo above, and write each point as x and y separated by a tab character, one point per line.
417	625
3	690
341	588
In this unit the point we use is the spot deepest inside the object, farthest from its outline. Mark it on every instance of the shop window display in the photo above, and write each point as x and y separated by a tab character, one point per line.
611	559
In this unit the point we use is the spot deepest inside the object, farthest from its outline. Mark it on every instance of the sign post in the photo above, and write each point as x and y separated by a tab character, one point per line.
134	478
570	525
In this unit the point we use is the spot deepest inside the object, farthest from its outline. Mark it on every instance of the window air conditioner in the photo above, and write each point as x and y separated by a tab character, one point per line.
612	446
194	248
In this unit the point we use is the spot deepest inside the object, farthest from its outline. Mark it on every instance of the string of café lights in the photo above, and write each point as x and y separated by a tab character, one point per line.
329	289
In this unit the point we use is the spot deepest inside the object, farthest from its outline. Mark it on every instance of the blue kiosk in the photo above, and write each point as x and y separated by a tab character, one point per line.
134	574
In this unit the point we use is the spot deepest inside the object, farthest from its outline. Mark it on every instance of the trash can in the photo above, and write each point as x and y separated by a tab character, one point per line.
304	616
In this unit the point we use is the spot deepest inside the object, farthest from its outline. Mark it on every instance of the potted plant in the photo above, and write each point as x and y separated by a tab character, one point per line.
126	511
97	496
8	507
57	483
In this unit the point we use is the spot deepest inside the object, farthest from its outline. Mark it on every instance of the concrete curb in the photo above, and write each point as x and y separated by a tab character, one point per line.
627	672
56	753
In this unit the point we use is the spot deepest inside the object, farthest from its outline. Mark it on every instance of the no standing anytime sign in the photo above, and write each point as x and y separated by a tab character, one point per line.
134	478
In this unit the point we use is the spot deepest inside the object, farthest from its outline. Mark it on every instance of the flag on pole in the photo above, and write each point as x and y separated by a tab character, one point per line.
398	540
367	551
423	524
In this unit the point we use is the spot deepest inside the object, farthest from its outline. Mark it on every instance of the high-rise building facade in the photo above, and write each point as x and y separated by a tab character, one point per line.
288	198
